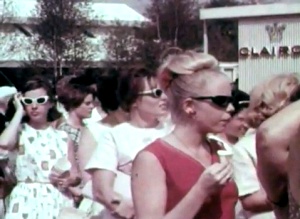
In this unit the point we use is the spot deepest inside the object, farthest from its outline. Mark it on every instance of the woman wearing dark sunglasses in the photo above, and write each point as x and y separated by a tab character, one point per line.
179	176
234	130
110	166
37	193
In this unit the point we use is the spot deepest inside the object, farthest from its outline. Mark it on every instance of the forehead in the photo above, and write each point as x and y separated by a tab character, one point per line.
150	83
242	114
35	93
89	97
215	86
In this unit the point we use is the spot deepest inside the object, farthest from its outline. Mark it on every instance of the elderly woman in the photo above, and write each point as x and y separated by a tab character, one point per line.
181	172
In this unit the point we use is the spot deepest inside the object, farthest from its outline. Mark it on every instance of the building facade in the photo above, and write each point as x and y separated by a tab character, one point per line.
269	41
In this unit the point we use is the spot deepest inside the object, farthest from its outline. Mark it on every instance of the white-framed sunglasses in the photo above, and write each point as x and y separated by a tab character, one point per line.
38	100
156	93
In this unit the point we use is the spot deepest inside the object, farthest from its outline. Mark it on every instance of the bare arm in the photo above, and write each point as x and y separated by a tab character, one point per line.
74	179
8	138
257	202
252	196
294	167
87	146
103	184
272	143
150	192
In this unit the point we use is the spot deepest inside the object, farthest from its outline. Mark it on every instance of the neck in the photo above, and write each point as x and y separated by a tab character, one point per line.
189	136
2	108
74	120
143	121
39	125
229	138
120	116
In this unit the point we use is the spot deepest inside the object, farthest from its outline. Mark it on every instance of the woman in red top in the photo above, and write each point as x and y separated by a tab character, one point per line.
179	176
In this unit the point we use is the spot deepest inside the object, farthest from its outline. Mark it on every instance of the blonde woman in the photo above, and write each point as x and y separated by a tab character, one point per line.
181	173
278	159
266	99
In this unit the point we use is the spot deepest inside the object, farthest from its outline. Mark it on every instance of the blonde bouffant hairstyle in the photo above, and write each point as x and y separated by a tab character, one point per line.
272	95
184	75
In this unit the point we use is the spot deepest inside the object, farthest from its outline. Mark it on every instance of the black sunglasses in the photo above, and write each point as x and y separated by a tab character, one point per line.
156	93
220	101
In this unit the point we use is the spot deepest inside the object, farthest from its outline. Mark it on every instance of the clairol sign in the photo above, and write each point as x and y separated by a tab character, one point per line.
281	51
275	33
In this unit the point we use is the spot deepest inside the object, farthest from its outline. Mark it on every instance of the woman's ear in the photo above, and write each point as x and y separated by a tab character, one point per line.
189	107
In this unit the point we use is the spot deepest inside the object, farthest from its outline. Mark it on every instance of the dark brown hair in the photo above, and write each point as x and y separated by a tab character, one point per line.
72	95
132	81
37	82
107	86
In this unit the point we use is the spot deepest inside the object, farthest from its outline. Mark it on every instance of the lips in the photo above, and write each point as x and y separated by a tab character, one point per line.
34	113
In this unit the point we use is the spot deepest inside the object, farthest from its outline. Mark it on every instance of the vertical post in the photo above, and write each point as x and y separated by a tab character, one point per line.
205	39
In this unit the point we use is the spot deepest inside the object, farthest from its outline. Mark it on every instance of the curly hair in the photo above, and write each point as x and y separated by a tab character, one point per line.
272	95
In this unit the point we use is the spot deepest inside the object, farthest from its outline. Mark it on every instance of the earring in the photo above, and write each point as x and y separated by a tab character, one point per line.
191	112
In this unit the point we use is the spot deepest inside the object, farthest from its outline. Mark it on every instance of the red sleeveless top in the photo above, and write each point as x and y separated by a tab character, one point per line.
182	172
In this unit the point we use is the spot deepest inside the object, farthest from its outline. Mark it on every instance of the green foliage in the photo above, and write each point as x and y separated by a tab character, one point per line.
223	33
59	30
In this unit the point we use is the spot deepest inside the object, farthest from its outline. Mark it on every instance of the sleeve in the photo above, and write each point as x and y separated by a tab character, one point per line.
244	170
106	154
4	154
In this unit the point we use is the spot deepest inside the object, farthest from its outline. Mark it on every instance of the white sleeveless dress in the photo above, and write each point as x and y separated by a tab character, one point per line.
34	197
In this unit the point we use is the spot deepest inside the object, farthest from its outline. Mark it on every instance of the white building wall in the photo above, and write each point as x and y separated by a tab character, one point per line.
253	34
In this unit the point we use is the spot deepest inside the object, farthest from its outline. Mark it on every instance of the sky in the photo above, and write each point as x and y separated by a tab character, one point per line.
141	5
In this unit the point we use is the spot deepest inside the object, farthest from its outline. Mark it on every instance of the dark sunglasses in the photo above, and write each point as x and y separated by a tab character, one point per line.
38	100
156	93
220	101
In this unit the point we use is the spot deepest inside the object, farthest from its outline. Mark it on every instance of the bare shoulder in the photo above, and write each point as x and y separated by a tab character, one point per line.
146	157
279	128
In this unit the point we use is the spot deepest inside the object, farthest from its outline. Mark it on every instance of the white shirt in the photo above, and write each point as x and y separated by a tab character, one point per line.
119	146
245	174
95	117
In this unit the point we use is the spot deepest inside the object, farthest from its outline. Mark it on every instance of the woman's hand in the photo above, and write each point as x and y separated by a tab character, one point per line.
215	176
124	208
63	181
17	103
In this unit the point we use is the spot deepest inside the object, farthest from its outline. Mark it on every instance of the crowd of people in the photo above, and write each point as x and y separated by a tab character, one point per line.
178	143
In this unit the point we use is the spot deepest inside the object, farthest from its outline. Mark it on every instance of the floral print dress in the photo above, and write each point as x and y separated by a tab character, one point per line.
34	197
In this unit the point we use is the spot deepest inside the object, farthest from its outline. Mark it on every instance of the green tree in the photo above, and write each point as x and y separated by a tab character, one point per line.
177	22
223	33
60	40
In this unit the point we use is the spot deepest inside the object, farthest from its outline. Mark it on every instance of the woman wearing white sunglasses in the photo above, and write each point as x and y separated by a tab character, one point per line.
38	190
110	166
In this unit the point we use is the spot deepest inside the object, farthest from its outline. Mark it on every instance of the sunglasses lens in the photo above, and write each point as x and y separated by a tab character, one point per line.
27	101
222	101
41	100
158	93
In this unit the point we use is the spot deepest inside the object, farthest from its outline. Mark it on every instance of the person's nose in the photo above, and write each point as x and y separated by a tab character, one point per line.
230	108
33	105
164	96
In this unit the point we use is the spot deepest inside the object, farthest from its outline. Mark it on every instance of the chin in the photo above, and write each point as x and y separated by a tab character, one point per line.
218	129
